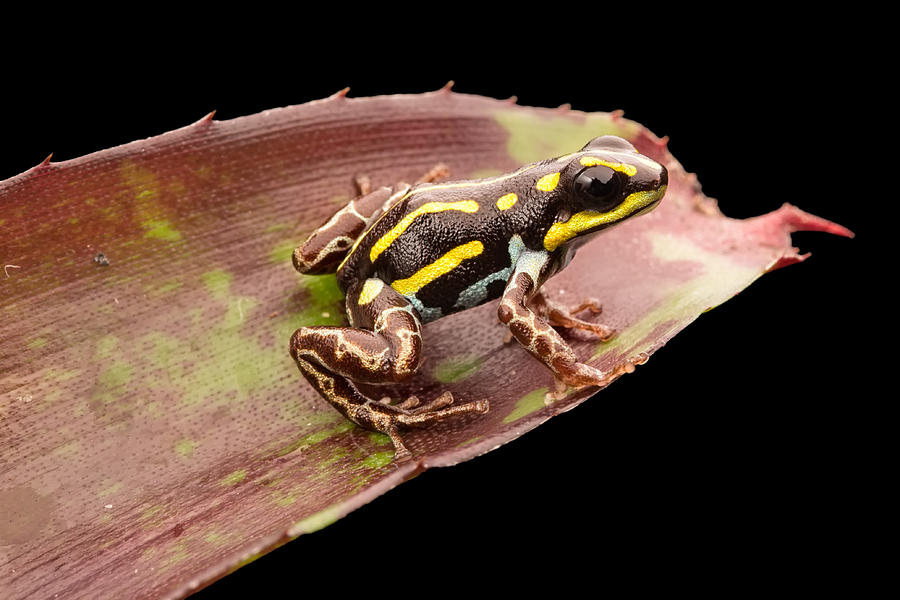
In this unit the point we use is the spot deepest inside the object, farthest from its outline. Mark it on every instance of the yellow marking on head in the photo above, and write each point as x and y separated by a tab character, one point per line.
547	183
387	239
591	161
506	202
371	288
585	220
441	266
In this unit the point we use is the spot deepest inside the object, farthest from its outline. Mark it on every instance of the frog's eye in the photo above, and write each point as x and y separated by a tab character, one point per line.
599	186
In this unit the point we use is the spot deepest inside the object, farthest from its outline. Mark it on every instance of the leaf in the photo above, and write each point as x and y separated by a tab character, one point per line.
156	435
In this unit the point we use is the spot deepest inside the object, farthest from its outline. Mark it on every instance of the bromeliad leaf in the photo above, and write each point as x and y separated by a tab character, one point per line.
155	432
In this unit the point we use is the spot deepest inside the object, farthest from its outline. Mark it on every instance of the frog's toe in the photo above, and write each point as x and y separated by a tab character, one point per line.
401	453
442	401
591	304
560	316
409	403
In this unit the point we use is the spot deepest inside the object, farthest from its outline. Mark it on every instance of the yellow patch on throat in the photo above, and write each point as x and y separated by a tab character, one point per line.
560	233
547	183
441	266
592	161
506	202
469	206
371	288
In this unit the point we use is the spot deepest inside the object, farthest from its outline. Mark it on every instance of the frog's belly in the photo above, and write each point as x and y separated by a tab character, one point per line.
463	277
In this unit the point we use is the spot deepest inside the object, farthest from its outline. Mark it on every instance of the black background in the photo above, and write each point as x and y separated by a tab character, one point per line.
739	453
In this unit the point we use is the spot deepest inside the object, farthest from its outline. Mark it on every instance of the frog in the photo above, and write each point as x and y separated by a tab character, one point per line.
405	255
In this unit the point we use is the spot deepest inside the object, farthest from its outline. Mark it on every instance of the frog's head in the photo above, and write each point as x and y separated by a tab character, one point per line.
605	183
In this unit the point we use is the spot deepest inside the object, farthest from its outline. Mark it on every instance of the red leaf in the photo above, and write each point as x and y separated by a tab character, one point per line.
156	434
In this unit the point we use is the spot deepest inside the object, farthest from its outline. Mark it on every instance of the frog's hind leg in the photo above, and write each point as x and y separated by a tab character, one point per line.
327	246
384	346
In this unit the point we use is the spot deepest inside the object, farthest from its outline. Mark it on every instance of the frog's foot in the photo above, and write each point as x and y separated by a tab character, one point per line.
438	171
560	316
388	418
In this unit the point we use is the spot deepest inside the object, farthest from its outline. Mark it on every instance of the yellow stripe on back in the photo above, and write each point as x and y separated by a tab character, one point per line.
441	266
469	206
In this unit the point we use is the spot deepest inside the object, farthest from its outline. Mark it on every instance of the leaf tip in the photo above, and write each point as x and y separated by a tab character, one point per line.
799	220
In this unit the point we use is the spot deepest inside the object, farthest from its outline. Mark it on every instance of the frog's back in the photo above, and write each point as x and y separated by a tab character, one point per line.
448	247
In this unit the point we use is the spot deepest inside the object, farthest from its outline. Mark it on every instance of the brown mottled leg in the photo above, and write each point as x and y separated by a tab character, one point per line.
332	358
327	246
561	316
542	341
438	171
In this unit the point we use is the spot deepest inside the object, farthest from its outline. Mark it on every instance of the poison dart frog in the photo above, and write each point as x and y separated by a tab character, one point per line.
406	255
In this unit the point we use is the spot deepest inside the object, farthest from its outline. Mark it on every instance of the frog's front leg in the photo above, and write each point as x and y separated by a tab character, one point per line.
536	335
383	346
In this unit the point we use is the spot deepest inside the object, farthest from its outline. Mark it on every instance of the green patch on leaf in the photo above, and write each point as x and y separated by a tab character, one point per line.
281	253
379	439
527	404
111	489
315	522
456	368
283	499
218	282
234	477
185	448
532	139
115	376
325	302
106	346
160	230
470	441
377	460
161	289
316	437
37	343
